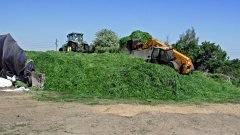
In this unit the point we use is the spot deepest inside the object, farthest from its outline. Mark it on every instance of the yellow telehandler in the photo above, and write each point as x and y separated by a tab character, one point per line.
164	54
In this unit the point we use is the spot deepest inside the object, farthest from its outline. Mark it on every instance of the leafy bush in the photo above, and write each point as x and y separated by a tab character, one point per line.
231	69
221	78
123	42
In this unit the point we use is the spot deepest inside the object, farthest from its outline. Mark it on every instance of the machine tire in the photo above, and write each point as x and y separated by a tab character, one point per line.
173	65
64	49
170	65
148	60
181	68
74	47
86	48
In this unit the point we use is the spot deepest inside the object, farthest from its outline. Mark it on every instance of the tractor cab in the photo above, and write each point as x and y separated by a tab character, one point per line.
162	54
75	37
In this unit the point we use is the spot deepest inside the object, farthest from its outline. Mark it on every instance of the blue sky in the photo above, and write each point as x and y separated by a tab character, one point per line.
36	24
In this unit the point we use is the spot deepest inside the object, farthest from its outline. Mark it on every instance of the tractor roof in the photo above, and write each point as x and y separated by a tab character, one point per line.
75	33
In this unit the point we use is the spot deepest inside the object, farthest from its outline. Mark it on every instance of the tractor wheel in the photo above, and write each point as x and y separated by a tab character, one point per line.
64	49
86	48
74	47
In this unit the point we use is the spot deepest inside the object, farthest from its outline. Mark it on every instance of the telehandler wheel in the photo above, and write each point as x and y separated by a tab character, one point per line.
170	65
181	68
173	65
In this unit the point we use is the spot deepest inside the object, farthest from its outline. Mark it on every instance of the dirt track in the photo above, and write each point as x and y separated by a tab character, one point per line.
20	114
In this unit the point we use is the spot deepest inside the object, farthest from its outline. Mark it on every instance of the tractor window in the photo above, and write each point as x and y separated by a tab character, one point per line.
155	53
70	37
79	38
166	55
75	38
163	55
170	54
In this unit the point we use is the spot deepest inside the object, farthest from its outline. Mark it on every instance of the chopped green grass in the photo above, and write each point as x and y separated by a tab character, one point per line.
77	76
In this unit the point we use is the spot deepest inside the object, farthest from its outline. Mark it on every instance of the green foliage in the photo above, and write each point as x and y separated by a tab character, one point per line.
210	57
140	35
231	69
105	38
123	41
112	49
221	78
207	57
76	76
188	44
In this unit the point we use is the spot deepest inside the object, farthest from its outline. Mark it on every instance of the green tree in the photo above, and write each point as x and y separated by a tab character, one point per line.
188	44
210	57
206	57
105	40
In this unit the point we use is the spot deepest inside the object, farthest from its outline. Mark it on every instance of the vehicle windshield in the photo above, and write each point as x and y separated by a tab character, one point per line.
166	55
75	37
70	37
155	53
79	38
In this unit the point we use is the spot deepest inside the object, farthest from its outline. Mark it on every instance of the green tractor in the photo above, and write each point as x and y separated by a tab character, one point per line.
75	43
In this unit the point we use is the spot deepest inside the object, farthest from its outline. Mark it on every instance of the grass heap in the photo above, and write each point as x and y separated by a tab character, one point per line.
76	76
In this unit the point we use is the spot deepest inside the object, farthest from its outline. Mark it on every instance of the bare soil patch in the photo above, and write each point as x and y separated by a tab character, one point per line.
21	114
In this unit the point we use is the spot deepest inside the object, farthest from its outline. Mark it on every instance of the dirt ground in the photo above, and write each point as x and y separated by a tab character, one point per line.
21	114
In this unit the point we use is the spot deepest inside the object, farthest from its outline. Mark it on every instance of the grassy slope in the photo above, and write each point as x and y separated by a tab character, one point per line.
117	76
